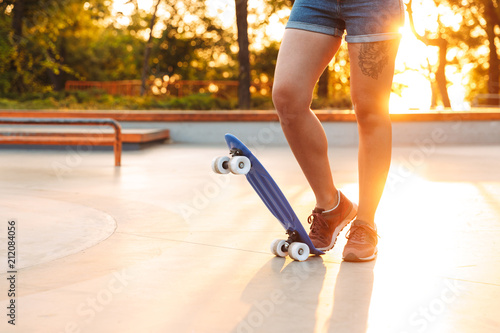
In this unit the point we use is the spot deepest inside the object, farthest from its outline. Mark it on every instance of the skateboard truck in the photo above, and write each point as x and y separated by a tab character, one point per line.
293	246
236	152
236	155
238	163
293	236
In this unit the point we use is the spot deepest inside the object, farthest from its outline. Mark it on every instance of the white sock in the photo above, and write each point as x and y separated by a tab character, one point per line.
338	203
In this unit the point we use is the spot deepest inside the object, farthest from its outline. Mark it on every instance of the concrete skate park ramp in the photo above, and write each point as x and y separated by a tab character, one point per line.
49	229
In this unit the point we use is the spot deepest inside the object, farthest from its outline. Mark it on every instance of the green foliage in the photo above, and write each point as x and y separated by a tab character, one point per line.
343	102
479	18
200	102
195	50
6	50
110	54
80	40
264	62
259	102
35	52
99	100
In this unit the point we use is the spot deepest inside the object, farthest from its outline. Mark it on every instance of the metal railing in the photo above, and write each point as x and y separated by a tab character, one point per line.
55	139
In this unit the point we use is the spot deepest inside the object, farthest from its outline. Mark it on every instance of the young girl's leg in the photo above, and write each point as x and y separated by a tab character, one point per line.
372	71
302	58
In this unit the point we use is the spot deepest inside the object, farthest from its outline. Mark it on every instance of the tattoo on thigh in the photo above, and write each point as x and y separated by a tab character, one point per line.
373	57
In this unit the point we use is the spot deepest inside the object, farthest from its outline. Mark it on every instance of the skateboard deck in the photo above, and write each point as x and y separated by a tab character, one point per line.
271	195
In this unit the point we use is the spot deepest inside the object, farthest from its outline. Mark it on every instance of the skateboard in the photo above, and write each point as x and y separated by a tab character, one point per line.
242	162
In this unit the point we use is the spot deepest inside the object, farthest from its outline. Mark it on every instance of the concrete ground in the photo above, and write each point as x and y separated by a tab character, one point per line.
163	245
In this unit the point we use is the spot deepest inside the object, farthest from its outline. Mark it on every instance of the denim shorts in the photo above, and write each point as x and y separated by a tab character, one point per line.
364	20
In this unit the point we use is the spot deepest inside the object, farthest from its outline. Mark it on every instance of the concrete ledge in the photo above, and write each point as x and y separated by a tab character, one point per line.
338	133
244	115
262	127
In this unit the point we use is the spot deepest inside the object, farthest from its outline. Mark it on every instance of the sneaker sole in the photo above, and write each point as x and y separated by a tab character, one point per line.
352	214
354	258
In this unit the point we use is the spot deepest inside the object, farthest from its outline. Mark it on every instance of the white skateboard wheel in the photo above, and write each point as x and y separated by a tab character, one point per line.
279	247
298	251
240	165
220	165
274	246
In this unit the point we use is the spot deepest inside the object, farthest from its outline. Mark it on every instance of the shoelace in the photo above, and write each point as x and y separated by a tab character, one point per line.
317	222
358	232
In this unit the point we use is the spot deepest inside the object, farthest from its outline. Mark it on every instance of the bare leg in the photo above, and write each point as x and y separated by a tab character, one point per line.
372	71
302	58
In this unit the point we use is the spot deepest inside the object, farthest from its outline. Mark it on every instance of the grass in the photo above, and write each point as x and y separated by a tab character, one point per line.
99	100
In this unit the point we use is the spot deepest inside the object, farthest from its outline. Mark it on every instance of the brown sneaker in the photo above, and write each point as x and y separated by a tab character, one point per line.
362	242
325	227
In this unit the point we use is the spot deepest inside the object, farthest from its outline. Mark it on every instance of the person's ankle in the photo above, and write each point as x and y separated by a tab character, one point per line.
363	220
330	204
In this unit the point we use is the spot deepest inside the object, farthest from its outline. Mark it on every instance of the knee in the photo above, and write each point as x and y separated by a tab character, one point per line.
290	101
371	115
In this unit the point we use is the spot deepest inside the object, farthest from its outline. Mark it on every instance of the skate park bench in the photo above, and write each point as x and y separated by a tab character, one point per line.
68	138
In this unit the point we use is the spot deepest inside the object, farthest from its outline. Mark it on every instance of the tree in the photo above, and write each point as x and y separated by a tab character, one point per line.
441	43
44	43
323	83
147	50
190	46
243	54
40	34
18	10
483	15
490	10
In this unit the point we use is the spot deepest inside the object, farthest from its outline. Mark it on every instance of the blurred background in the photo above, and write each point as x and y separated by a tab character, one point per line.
220	54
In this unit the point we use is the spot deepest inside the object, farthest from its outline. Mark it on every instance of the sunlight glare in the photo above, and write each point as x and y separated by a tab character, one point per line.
275	29
415	96
222	9
122	6
449	18
397	104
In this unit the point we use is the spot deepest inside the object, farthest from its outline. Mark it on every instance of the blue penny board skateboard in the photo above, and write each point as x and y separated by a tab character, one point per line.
271	195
